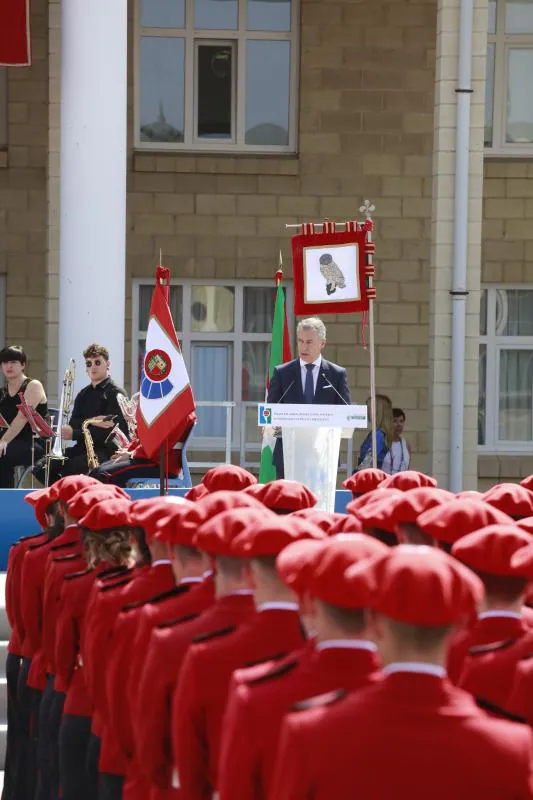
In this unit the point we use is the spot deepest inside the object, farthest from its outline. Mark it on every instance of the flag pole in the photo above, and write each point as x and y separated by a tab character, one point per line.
367	208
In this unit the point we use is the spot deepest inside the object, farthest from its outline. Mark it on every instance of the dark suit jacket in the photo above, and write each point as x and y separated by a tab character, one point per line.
286	387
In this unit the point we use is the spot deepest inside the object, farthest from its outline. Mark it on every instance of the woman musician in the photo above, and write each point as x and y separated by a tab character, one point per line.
16	441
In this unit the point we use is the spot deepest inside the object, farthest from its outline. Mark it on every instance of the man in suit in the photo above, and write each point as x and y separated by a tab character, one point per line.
307	379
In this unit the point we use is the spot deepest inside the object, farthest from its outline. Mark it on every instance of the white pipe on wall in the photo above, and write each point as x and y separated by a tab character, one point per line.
459	290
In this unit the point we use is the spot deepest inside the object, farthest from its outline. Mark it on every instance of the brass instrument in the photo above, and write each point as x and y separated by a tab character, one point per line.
128	409
93	461
56	451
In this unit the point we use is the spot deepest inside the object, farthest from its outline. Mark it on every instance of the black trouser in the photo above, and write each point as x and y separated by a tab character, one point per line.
121	472
93	758
110	786
28	702
50	715
12	675
75	464
76	782
18	454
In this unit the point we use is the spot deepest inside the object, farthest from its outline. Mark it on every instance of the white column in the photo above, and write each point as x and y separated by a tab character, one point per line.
93	180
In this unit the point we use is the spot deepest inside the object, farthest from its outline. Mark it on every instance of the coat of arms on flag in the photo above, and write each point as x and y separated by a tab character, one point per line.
166	400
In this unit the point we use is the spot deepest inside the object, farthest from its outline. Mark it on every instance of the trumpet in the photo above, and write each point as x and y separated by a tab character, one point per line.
56	451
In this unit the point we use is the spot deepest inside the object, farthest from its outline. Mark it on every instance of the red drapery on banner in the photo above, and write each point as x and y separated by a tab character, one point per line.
15	36
166	402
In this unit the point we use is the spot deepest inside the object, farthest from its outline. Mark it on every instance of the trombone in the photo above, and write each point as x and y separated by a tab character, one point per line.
56	451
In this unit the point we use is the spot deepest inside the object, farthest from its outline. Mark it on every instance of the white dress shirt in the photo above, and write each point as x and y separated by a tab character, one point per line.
316	372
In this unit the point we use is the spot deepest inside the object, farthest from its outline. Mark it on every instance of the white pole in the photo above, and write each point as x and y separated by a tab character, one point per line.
94	83
459	291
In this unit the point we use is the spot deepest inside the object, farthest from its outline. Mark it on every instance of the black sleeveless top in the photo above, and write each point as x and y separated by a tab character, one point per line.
9	410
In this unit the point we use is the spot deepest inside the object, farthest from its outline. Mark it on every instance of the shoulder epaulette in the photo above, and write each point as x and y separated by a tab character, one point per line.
320	700
216	634
276	672
171	623
70	557
493	647
56	547
31	536
81	574
111	572
116	585
276	657
175	592
492	708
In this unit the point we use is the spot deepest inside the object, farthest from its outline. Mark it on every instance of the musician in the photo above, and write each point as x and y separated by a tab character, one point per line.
96	401
16	441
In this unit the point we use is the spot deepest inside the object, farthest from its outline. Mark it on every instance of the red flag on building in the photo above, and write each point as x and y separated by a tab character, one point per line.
15	35
165	398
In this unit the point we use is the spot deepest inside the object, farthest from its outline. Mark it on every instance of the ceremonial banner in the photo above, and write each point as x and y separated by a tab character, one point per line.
280	352
165	397
15	38
330	269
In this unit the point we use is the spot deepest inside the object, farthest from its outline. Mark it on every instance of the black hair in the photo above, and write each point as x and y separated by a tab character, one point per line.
398	412
13	353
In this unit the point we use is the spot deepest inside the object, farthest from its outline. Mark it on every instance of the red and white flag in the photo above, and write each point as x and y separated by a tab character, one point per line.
15	36
165	398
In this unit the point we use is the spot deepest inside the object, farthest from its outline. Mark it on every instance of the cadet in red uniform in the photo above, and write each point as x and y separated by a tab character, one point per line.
202	690
342	654
398	515
489	670
438	743
169	642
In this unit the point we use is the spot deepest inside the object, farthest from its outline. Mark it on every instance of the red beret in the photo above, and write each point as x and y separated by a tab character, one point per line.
527	483
491	549
346	524
147	512
268	536
178	524
283	496
451	521
377	512
113	512
228	477
470	494
511	498
295	561
366	480
70	485
81	502
420	585
216	535
409	479
32	498
196	492
523	561
526	524
326	576
414	502
354	506
40	500
323	519
217	502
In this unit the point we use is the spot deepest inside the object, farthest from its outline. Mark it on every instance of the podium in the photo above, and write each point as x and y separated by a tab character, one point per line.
312	435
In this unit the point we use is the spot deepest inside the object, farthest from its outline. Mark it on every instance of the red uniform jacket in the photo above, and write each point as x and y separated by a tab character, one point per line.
31	596
169	645
483	631
490	671
521	698
13	580
409	736
202	692
257	705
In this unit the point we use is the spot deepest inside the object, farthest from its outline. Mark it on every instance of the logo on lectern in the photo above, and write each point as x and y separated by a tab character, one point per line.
265	415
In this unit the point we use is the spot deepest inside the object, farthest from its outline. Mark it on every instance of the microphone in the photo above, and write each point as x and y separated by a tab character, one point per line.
329	385
289	387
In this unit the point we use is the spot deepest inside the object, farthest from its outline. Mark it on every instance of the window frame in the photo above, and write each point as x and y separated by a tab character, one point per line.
494	345
237	337
239	38
503	43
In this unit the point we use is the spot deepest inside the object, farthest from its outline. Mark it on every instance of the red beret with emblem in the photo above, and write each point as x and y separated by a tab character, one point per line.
409	479
269	536
40	500
217	534
81	502
295	561
228	477
327	574
283	496
523	561
511	498
113	512
364	481
196	492
354	506
492	548
323	519
451	521
147	512
70	485
420	586
178	524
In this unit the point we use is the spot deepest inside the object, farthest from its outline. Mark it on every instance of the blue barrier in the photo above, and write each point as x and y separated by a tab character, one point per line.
17	518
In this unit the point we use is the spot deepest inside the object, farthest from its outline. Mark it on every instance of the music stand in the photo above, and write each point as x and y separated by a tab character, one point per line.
40	428
3	422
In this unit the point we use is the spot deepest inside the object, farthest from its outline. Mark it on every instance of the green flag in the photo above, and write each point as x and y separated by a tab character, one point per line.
280	352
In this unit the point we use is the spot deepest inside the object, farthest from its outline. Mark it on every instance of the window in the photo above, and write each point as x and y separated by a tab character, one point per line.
509	100
505	422
216	75
225	330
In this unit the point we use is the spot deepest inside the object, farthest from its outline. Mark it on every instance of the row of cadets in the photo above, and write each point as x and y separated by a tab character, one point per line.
411	734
